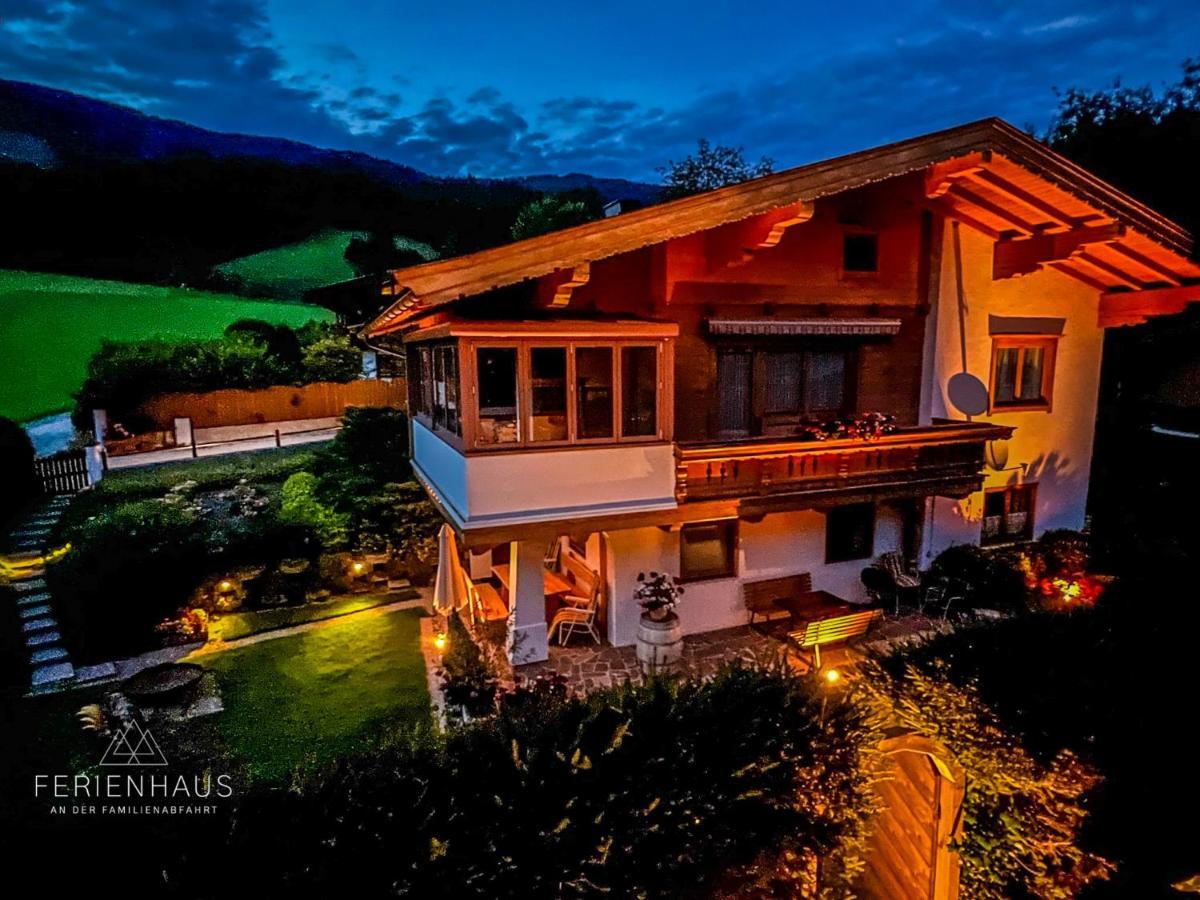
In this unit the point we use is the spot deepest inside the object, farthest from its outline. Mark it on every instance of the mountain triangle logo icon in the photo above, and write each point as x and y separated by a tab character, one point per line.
133	746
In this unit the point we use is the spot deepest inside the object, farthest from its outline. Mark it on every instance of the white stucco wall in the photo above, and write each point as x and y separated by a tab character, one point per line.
780	544
1052	449
533	485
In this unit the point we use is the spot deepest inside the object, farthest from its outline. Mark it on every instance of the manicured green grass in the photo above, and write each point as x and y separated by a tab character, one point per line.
291	270
312	696
50	325
232	626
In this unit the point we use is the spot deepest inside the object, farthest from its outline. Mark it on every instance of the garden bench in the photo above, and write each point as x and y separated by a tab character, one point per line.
835	630
762	598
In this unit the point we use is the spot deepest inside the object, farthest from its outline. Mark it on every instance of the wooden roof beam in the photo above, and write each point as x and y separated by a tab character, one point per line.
1163	272
944	208
940	177
959	192
1024	255
1121	276
1091	281
1119	308
1018	193
743	240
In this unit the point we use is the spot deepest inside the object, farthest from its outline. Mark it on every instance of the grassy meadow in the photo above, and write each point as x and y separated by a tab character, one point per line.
50	325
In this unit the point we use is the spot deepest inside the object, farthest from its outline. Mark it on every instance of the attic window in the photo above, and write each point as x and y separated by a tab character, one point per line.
860	252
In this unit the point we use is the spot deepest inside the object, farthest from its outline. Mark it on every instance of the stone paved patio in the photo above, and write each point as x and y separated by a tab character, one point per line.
589	667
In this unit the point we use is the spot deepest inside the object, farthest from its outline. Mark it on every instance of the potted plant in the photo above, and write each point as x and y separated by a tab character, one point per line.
660	635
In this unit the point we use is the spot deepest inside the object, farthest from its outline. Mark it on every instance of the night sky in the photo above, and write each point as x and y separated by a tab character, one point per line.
610	88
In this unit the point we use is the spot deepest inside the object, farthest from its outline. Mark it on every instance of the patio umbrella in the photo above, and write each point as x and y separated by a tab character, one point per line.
449	588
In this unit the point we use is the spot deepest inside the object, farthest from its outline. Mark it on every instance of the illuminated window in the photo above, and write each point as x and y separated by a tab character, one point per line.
1022	372
594	392
850	532
1008	514
497	378
860	252
548	394
706	550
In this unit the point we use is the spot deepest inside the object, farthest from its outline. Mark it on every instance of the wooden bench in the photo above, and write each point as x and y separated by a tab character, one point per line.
832	631
760	597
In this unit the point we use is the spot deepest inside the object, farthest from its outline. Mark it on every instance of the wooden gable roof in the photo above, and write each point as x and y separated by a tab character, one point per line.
987	174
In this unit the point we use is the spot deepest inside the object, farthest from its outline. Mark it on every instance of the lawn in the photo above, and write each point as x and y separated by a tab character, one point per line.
312	696
50	325
291	270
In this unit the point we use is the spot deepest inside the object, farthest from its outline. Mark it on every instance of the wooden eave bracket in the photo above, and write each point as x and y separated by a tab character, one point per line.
1022	256
579	276
1119	308
798	214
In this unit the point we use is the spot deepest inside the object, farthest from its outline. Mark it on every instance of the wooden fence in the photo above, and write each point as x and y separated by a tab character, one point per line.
274	404
63	473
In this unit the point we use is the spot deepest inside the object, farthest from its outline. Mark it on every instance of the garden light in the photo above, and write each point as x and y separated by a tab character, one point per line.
832	676
359	568
226	585
439	640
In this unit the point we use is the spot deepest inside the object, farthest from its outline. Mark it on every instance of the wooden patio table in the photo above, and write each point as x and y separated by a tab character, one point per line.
553	584
813	606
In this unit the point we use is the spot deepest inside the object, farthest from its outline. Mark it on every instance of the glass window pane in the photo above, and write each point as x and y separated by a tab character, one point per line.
733	390
497	395
782	390
1005	390
593	392
706	549
1031	373
439	388
448	389
639	391
825	381
850	532
427	381
860	253
548	403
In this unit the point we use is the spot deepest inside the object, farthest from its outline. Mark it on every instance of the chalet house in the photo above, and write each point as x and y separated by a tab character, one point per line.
640	393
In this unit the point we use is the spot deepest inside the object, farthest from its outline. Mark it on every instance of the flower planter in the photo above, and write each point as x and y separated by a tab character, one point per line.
659	643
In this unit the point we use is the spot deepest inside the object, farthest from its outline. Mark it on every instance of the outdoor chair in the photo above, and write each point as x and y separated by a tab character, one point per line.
571	619
905	580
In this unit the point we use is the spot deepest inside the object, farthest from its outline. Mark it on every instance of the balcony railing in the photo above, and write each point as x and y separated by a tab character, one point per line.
946	456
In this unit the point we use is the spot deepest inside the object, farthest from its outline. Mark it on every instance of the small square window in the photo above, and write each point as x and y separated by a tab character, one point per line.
860	253
850	533
1008	514
706	550
1022	372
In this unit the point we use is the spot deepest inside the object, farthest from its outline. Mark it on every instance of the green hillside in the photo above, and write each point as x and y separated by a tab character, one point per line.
291	270
50	325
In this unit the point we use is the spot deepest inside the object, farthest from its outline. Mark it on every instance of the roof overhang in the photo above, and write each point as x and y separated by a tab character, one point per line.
1040	208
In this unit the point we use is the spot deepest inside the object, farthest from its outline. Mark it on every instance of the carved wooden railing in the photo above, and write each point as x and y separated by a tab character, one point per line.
948	451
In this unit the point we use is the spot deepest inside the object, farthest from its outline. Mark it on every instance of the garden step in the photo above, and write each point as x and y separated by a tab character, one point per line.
42	638
47	655
33	584
43	624
52	673
33	599
33	612
95	673
23	554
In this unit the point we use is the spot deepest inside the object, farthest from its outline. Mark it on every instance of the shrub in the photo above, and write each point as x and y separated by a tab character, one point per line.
1022	819
624	793
300	506
468	683
370	449
986	580
16	462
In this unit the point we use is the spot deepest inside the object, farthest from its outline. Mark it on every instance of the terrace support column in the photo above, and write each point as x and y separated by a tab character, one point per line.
527	603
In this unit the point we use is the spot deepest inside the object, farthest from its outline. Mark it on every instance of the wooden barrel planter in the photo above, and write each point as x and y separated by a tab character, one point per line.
659	643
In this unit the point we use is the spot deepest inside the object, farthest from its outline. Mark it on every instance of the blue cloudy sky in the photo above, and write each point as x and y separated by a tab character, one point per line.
611	88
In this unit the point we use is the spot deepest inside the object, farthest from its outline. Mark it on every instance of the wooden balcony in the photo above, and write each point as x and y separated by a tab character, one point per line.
946	458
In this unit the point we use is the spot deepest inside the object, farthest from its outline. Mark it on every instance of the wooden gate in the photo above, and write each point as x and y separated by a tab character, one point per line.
63	473
909	855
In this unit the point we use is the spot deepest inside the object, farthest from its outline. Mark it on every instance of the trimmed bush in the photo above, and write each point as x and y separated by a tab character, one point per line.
986	580
626	793
16	462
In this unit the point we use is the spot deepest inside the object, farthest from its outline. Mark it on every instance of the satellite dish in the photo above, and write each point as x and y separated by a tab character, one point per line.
996	454
967	394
